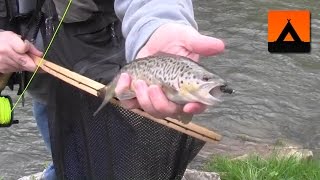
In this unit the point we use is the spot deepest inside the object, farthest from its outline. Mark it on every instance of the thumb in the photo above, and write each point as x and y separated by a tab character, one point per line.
205	45
20	46
35	51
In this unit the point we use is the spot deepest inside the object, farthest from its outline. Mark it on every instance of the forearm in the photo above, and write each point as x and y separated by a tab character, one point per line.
141	18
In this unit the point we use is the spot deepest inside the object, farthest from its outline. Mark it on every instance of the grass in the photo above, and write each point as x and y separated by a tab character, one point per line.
272	167
45	165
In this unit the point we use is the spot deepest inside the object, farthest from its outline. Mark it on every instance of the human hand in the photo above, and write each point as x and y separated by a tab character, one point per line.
14	53
174	39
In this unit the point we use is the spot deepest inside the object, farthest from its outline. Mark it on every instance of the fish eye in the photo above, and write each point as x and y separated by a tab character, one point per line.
205	78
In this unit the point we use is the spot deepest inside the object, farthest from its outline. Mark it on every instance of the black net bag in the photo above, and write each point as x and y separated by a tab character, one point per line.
116	144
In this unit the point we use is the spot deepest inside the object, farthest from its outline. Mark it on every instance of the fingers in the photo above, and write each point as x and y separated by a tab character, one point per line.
141	90
7	68
157	104
13	53
29	64
181	40
193	56
194	108
204	45
33	50
162	104
19	46
22	61
24	47
123	84
12	62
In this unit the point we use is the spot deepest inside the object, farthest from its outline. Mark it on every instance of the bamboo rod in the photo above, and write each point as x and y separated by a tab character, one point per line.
92	87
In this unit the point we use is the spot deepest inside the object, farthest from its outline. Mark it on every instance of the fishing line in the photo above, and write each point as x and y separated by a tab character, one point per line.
45	53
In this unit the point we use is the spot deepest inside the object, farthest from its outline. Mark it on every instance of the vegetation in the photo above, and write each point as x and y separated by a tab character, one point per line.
45	165
273	167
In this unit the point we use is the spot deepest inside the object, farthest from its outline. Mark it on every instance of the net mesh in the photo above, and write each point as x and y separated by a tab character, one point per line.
116	144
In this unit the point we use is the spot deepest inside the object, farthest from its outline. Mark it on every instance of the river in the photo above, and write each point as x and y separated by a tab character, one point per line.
278	95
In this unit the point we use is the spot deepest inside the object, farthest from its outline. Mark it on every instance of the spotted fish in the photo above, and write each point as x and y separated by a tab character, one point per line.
181	79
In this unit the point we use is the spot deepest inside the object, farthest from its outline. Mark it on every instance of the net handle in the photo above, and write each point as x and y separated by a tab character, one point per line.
92	87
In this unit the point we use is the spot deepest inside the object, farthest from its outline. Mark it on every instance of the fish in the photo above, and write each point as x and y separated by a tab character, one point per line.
181	79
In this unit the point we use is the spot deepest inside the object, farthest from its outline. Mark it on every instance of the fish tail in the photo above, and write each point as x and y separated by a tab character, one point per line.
106	93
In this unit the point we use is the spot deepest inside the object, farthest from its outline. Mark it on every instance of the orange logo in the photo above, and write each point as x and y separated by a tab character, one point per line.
289	31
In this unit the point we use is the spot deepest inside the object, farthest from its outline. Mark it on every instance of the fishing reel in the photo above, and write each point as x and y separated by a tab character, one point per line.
6	106
6	113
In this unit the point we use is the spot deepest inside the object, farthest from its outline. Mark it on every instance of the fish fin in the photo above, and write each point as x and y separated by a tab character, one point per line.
128	94
185	118
106	93
171	94
168	89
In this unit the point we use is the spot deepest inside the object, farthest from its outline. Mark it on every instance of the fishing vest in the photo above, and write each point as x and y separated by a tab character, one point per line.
82	10
3	14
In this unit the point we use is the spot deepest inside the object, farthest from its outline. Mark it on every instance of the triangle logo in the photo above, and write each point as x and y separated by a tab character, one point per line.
289	31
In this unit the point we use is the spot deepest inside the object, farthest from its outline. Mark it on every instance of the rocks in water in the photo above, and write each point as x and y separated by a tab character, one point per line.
284	148
285	151
242	157
296	152
191	174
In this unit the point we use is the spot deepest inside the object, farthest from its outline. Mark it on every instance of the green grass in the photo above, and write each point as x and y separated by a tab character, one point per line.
45	165
271	168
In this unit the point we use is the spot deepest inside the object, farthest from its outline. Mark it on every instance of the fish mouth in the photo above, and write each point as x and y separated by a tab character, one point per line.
215	92
210	93
218	90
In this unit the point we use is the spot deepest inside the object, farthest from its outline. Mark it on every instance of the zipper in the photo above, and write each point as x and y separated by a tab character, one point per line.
114	37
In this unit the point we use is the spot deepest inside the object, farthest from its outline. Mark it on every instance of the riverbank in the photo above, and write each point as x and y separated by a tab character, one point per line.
255	167
284	162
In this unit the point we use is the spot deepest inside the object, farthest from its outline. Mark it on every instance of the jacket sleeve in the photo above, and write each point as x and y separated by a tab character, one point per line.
140	18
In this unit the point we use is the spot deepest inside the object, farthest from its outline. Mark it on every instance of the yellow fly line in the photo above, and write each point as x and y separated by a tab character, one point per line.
45	53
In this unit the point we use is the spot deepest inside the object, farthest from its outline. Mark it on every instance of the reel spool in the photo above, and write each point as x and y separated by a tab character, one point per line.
6	115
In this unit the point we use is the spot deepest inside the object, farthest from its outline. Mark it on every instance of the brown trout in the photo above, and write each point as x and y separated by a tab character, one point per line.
181	79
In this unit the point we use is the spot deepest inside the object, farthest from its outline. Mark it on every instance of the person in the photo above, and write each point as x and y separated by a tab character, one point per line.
95	40
14	56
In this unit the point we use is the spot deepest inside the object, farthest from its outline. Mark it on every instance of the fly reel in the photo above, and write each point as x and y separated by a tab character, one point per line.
6	113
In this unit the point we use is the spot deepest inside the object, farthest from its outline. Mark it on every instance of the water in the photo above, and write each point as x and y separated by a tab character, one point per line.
278	94
22	150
